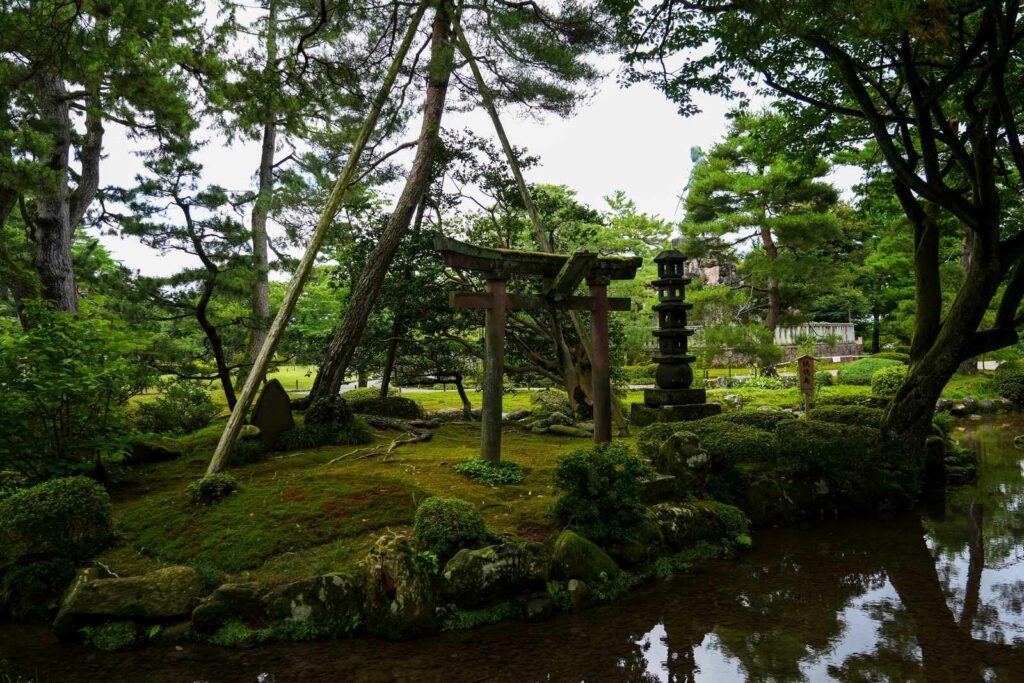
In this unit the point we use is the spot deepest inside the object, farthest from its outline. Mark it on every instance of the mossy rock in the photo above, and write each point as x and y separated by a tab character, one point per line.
683	457
644	543
155	449
163	594
477	577
244	601
575	557
685	524
849	415
327	605
399	597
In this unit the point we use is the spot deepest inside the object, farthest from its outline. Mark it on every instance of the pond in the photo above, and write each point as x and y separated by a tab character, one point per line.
933	596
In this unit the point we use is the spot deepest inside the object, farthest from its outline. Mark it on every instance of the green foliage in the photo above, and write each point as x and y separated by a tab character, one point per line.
852	459
306	435
684	562
65	383
849	415
456	619
444	525
212	488
30	590
893	355
823	378
546	402
640	374
369	402
943	422
860	371
768	420
111	636
600	488
63	518
765	383
1008	379
732	442
182	407
481	471
885	382
233	634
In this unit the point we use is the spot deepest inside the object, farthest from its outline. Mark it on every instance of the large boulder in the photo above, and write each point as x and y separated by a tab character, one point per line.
330	604
575	557
398	591
643	543
686	523
477	577
164	594
683	457
243	601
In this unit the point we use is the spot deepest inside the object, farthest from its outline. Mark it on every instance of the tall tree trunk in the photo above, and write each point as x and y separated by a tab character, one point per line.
213	337
389	359
774	295
467	407
364	295
52	228
259	291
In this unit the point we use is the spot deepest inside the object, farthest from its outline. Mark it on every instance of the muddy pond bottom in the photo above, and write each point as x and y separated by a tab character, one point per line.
937	595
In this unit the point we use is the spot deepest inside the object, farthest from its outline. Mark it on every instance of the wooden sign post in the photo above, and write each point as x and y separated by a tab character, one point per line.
805	373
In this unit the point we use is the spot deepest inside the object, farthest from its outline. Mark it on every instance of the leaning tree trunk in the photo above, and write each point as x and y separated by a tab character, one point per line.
259	288
467	407
52	229
939	346
364	295
774	295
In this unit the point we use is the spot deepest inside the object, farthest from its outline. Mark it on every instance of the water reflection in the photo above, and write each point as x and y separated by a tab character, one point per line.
932	597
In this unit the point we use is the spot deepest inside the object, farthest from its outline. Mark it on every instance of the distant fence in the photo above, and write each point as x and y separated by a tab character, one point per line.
840	333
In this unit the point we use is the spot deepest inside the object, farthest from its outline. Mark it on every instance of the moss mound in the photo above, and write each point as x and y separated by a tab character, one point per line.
864	416
1008	379
370	402
575	557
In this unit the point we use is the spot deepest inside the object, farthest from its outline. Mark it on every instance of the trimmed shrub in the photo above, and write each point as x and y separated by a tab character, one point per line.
309	435
31	590
640	374
182	407
601	491
824	378
445	525
849	458
483	472
849	415
860	371
887	381
761	419
548	401
865	400
370	402
651	437
212	488
63	518
1008	379
733	442
893	355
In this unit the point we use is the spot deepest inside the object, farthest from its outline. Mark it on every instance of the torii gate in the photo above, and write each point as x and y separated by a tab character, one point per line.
561	274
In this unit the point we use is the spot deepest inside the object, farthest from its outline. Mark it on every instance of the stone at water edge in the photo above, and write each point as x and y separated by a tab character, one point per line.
273	413
658	489
537	607
166	593
230	601
579	593
477	577
683	457
398	591
327	600
575	557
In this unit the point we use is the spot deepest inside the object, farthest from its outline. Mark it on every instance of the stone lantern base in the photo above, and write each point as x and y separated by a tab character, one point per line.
672	405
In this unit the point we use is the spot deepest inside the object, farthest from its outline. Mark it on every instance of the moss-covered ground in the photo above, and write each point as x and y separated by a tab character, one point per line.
299	514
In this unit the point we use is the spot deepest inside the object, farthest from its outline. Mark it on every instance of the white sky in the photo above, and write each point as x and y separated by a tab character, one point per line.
630	139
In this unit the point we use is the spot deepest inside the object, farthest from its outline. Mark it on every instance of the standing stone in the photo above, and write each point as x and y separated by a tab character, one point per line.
273	413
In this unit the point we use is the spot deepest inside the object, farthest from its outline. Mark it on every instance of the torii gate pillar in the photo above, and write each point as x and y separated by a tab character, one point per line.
494	370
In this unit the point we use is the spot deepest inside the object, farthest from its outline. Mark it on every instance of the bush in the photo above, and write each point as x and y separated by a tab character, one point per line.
887	381
640	374
548	401
212	488
65	383
860	371
765	383
369	402
444	525
823	378
306	435
483	472
893	355
601	491
841	454
61	518
182	407
849	415
768	420
864	400
1008	379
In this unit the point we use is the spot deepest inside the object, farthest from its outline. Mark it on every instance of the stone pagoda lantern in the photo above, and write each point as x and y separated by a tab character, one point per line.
674	398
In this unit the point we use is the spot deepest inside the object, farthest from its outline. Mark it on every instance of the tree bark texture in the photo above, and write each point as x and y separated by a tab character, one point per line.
364	295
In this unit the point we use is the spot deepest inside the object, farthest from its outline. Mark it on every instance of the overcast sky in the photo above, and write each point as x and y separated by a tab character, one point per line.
630	139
